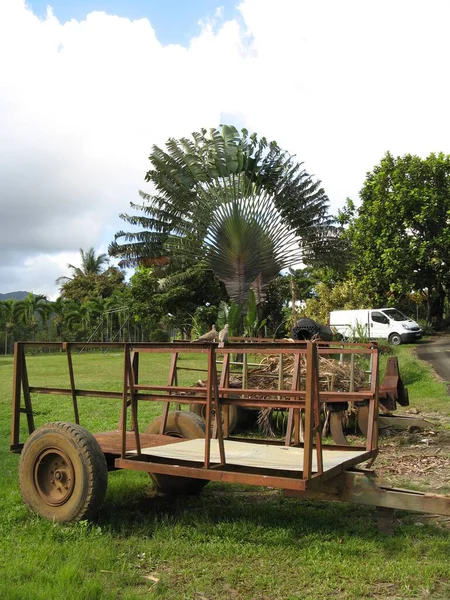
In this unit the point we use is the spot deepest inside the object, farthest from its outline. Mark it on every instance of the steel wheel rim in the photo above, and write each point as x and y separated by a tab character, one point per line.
54	476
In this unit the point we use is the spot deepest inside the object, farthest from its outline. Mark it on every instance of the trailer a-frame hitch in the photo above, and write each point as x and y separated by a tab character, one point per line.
362	486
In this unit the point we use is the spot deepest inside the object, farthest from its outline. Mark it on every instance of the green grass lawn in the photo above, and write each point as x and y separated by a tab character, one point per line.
229	542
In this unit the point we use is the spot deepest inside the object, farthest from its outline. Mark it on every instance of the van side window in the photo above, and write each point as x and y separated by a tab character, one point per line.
378	317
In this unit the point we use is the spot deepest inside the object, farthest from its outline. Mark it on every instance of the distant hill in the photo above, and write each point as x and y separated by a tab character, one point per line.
13	296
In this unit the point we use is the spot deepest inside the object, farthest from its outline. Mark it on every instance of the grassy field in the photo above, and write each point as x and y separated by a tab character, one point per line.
230	542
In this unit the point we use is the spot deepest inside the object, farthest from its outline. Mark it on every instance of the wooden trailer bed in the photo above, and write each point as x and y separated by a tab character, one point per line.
260	456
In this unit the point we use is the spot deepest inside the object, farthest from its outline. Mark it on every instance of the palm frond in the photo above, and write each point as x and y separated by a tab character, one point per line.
232	201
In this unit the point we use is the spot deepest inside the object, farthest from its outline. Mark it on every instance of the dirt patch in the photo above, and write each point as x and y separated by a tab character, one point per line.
417	460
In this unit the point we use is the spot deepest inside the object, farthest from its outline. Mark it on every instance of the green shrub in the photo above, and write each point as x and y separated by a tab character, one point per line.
159	335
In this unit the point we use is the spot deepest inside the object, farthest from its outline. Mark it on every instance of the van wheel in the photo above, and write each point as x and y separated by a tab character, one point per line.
184	425
395	339
63	474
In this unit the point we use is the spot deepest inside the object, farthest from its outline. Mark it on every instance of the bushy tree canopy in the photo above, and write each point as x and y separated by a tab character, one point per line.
400	236
90	281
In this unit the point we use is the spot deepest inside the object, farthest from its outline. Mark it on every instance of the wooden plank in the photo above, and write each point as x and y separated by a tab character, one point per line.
401	422
361	487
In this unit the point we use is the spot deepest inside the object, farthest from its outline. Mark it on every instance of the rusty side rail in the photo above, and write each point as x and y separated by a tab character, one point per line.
216	394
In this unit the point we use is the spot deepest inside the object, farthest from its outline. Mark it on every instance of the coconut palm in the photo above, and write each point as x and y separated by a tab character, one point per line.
33	311
91	264
9	315
81	319
232	202
59	310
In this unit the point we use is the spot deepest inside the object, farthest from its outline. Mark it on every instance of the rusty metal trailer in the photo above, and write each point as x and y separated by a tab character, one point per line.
63	467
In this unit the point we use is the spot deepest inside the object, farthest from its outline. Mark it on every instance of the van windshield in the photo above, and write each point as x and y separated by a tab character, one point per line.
395	314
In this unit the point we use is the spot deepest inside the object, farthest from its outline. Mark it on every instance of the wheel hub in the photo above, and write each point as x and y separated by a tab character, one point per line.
54	476
175	434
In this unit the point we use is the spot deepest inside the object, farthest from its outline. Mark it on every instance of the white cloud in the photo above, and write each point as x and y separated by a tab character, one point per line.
81	103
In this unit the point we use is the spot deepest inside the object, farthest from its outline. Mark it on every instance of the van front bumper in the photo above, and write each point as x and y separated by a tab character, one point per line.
411	336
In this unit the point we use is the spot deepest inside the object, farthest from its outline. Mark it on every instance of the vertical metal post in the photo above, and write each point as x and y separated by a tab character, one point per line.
172	377
16	395
26	392
209	392
280	371
352	373
224	382
218	424
133	399
308	434
372	426
245	370
316	411
294	386
123	417
66	347
135	366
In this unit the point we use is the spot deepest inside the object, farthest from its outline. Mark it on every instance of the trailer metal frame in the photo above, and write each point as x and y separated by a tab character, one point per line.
316	469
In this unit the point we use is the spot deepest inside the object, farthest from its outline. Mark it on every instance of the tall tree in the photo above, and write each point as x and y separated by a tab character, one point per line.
59	310
400	235
237	204
173	301
9	310
33	312
90	280
91	264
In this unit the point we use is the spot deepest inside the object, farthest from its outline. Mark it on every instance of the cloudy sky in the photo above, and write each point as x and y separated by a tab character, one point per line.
87	86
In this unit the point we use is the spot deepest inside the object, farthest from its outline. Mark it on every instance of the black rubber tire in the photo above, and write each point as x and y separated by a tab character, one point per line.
62	472
185	425
395	339
304	329
234	415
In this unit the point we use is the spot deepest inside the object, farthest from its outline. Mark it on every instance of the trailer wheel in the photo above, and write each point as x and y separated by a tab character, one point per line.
185	425
62	473
234	415
395	339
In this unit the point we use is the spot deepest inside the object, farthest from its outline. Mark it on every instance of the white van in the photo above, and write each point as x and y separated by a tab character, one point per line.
387	323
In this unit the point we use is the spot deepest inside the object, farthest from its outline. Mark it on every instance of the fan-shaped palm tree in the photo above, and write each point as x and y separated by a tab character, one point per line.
233	202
